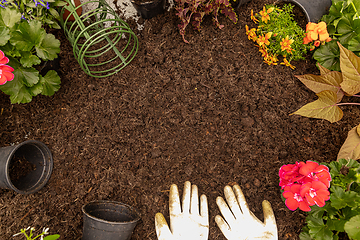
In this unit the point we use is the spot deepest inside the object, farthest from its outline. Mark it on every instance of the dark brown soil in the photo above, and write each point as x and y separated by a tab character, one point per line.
211	112
20	167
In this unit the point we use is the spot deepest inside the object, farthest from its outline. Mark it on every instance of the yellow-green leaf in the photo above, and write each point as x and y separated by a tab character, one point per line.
350	68
351	147
329	81
323	70
324	108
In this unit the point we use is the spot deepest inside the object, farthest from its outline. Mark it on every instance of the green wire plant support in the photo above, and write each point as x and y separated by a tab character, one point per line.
103	44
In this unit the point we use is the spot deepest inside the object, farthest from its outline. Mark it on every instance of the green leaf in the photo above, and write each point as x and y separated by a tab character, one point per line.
318	230
28	76
54	13
28	60
48	48
29	35
348	30
340	199
324	108
51	83
336	224
352	227
350	68
328	56
4	35
17	90
52	237
354	44
351	147
9	17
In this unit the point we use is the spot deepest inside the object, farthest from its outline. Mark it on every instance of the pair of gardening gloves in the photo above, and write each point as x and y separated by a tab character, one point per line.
191	222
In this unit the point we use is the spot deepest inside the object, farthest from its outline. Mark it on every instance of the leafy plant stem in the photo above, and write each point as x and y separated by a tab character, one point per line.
339	104
356	14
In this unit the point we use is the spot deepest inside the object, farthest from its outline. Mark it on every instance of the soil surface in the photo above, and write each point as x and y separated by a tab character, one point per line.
210	112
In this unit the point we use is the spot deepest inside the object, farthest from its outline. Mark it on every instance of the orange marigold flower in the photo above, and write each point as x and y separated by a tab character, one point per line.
271	60
265	14
316	32
263	51
253	17
287	63
251	33
264	39
285	44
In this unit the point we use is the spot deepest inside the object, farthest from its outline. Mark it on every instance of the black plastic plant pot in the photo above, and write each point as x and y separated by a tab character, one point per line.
313	9
108	220
26	167
149	9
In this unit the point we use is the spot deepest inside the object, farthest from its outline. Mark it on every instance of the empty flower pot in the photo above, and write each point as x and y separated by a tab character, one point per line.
313	9
105	220
150	8
26	167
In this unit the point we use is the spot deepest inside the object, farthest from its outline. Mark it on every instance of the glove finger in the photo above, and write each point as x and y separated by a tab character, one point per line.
224	227
242	201
232	202
174	202
186	198
162	228
269	217
225	211
194	209
204	212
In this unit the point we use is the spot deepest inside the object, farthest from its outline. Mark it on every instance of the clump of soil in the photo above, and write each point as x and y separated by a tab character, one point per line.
20	167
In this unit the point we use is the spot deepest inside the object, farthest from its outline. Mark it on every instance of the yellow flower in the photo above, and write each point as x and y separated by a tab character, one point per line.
271	60
287	63
253	17
264	39
285	44
263	51
251	33
265	14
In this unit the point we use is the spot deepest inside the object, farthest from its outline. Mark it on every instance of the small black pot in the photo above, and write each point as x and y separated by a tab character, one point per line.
150	8
34	153
313	9
108	220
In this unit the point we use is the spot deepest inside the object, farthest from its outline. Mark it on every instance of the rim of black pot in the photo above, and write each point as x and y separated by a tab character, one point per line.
136	213
297	4
46	170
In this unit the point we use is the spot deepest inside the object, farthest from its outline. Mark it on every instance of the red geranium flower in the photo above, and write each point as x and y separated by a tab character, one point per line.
315	193
313	171
289	174
5	70
294	199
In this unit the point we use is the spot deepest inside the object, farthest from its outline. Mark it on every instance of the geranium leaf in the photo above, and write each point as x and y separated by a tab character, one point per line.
348	29
354	44
324	108
350	67
9	17
16	89
351	147
48	48
328	56
329	81
352	227
28	60
29	35
28	76
4	35
51	83
319	229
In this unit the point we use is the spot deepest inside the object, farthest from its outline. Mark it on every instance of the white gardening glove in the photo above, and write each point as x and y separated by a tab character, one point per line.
186	223
240	223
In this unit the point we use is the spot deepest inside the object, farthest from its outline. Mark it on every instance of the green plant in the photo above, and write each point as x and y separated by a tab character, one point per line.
278	34
41	235
343	24
40	10
341	214
195	10
27	44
